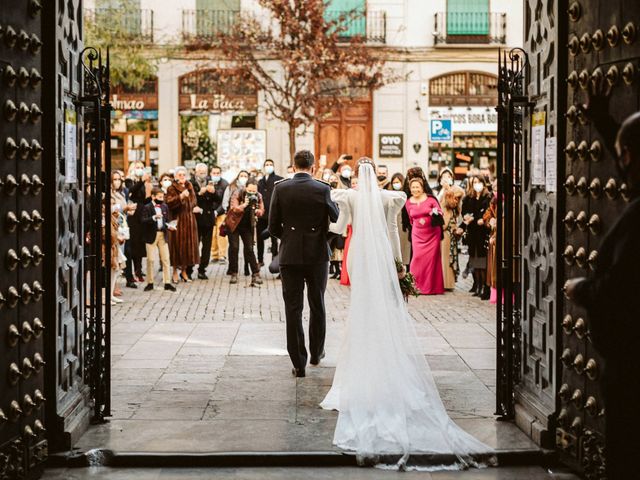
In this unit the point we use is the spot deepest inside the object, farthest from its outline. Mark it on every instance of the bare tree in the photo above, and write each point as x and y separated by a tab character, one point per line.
322	68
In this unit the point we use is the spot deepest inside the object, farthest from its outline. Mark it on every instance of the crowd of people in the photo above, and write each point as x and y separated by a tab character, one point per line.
192	220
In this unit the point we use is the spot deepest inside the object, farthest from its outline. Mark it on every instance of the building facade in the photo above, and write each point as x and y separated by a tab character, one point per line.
447	50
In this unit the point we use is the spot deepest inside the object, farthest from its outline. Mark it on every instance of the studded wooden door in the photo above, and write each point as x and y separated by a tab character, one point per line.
23	446
603	46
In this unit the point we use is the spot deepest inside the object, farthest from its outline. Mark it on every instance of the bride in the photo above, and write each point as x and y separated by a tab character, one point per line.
383	389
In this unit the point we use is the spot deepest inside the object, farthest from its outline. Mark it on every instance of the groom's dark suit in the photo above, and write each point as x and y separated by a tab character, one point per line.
301	209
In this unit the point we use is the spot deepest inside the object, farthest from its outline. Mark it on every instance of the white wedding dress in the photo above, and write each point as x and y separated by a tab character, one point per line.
387	399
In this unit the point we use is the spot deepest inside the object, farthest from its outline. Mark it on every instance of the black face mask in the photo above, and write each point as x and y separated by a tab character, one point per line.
334	184
158	202
382	178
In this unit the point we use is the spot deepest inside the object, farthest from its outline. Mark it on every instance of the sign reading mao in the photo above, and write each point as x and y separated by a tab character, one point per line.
218	102
390	145
131	101
441	130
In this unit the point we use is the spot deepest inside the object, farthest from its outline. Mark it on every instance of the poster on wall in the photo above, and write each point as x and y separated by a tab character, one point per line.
196	143
70	147
241	149
537	148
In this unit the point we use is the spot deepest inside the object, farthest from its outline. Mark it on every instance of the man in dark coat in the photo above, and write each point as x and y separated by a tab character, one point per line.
207	201
265	187
301	209
611	298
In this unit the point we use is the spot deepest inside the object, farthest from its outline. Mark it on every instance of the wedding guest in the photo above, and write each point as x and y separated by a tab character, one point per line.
334	181
139	191
426	219
239	182
246	207
397	184
382	172
110	227
450	199
344	277
290	171
206	219
336	241
119	195
166	179
183	242
219	244
155	219
476	233
265	187
490	218
413	172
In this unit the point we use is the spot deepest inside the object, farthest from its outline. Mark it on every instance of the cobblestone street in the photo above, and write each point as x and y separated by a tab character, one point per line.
205	369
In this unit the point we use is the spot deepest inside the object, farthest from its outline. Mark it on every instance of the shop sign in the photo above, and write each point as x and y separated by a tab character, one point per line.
441	130
468	119
128	102
218	103
390	145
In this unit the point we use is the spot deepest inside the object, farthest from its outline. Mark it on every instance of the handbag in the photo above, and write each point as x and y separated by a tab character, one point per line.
223	230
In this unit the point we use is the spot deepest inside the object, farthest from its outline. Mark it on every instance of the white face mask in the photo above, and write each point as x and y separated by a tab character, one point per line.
326	177
242	181
166	183
397	186
346	173
291	175
139	172
478	187
268	170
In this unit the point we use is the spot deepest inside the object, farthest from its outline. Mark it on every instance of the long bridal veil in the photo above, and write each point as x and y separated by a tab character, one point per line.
383	388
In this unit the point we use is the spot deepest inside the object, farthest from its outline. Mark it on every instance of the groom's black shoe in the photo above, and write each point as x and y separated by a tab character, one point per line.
316	361
298	372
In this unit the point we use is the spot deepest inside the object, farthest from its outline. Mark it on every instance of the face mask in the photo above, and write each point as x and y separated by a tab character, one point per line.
215	179
166	183
450	181
346	173
478	187
158	202
382	178
139	172
326	177
291	175
242	181
397	186
334	184
268	170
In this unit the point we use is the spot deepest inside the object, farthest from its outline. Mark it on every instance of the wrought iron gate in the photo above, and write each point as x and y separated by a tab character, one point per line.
23	447
512	105
97	287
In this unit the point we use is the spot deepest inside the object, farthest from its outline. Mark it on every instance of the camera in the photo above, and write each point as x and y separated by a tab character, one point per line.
253	198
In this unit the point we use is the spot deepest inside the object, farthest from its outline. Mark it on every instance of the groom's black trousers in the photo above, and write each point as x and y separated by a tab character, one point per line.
294	279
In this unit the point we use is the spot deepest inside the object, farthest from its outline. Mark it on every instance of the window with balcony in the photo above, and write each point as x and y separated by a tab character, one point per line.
470	22
209	19
464	89
358	20
130	19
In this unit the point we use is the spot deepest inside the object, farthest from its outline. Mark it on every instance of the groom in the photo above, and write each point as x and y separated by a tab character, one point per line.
300	212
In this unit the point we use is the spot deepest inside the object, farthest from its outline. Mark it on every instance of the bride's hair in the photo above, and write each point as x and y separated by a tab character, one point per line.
366	160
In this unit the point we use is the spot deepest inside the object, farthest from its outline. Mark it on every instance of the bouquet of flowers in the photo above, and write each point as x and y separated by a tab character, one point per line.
407	282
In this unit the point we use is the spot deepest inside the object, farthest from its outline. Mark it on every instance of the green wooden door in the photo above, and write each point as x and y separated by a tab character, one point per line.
467	17
356	26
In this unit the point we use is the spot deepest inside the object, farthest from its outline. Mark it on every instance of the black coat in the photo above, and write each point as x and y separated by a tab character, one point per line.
208	202
477	236
149	224
301	209
137	194
265	187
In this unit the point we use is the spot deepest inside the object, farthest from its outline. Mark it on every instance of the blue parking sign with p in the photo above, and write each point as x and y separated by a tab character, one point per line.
441	130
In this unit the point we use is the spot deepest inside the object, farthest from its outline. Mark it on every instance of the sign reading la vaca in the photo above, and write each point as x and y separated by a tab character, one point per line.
218	102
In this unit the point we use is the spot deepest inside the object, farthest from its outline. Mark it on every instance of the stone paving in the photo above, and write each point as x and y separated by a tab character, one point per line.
205	369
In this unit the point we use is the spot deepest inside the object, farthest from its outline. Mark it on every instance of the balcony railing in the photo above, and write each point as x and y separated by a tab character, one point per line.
470	27
137	24
371	25
206	25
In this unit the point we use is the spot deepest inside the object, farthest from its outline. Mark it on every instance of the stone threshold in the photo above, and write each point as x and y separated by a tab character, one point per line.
111	458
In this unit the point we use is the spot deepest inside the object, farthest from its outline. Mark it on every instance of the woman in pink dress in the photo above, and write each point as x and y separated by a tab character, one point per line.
426	220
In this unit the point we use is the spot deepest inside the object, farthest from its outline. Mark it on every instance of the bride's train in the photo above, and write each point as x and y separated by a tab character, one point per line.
383	388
